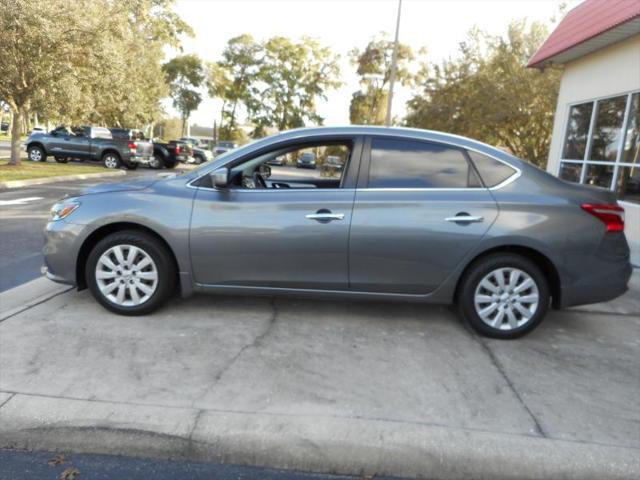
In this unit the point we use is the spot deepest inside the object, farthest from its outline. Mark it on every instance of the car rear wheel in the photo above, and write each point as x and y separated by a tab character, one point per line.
169	165
131	165
36	154
503	296
157	162
130	273
111	160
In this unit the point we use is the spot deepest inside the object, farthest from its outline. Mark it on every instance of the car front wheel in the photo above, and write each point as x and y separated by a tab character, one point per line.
130	273
503	296
36	154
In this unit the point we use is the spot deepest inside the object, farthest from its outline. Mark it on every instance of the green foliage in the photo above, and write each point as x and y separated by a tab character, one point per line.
277	83
93	61
185	74
369	104
488	94
292	77
230	79
168	129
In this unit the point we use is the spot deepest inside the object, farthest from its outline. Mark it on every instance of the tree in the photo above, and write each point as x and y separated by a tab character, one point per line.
369	104
489	94
185	74
38	55
291	78
231	78
85	61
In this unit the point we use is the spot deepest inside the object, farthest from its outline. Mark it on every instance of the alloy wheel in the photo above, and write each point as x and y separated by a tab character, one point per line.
506	298
35	155
126	275
111	161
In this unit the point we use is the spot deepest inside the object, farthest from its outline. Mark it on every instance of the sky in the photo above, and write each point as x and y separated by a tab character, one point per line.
438	25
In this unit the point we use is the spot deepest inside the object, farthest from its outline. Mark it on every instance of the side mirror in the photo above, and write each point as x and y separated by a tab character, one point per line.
220	177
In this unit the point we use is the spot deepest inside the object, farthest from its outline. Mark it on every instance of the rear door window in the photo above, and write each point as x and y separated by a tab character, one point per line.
396	163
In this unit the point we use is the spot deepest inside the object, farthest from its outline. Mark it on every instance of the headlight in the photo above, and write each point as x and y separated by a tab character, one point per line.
63	209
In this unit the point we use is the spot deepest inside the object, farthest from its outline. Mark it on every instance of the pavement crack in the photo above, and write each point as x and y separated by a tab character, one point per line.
253	344
196	421
501	370
7	400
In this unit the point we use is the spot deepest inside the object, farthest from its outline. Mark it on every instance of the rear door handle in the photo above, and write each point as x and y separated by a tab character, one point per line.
327	217
464	219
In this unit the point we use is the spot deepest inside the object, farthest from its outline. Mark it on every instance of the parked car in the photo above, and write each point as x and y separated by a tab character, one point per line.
88	143
415	216
4	127
224	147
168	155
306	160
200	153
280	161
332	164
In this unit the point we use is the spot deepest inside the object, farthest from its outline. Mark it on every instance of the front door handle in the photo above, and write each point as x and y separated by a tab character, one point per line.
324	216
464	219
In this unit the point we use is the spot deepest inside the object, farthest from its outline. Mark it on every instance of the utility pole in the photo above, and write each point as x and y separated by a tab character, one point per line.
394	67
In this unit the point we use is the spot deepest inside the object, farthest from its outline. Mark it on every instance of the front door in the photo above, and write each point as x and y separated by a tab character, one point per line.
419	209
285	228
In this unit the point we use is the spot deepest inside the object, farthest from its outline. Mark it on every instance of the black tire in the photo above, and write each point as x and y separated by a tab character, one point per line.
131	166
198	159
157	162
471	281
111	160
61	159
169	164
36	154
165	268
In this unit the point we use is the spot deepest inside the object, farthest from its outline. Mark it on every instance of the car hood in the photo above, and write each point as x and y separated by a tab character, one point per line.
119	187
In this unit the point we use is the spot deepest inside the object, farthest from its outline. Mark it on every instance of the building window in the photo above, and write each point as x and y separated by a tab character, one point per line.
602	145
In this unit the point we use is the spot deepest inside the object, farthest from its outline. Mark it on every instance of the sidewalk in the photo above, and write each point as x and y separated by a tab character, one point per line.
333	387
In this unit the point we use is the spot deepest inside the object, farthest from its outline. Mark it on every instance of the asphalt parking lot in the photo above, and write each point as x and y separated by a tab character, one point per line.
24	213
334	387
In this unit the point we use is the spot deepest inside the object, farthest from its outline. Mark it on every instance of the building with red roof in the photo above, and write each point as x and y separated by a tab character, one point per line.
596	132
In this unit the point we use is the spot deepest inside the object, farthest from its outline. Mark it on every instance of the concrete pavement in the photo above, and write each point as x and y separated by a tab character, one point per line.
330	387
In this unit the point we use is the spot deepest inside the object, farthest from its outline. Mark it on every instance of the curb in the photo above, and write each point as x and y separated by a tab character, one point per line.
60	178
347	446
27	295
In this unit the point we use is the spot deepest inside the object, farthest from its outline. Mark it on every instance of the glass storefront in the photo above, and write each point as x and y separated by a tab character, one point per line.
602	145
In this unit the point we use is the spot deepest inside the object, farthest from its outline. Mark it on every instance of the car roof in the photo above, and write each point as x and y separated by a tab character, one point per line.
402	132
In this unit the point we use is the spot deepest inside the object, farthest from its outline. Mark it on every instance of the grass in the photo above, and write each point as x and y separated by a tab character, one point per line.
28	170
7	137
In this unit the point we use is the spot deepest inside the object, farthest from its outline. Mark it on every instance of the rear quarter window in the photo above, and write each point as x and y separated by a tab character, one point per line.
493	172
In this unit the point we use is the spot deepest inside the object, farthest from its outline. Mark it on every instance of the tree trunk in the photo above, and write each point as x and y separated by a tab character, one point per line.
15	138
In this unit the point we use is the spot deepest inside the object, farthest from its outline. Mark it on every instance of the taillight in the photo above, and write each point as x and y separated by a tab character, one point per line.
132	146
178	149
611	214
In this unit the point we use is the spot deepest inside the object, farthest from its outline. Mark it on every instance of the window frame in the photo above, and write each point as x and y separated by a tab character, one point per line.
617	164
365	166
348	181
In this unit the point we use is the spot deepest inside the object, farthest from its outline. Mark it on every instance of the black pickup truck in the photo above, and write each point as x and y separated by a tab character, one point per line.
89	143
165	155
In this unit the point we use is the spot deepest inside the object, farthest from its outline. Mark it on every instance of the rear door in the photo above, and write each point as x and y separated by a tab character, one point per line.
419	208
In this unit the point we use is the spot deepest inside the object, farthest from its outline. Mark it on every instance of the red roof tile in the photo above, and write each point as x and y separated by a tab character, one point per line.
587	20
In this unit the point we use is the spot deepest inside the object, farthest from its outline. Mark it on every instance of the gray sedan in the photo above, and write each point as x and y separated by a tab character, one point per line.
411	215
